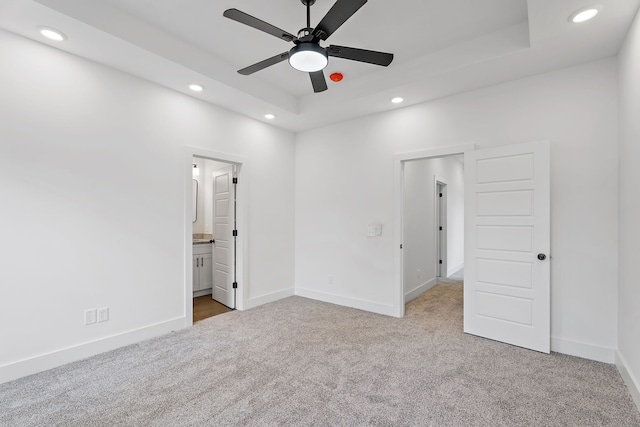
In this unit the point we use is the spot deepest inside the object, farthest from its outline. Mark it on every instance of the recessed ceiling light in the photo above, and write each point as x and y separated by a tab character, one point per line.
196	88
52	34
397	100
269	116
583	15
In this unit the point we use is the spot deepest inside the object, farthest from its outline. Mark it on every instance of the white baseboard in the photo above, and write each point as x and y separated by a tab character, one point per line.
274	296
453	270
629	379
43	362
374	307
584	350
415	293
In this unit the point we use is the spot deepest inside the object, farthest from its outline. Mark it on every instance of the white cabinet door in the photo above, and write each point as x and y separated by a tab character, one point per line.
206	271
202	266
507	242
223	219
196	273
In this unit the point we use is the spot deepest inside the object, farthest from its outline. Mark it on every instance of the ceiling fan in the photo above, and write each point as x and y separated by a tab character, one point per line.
307	55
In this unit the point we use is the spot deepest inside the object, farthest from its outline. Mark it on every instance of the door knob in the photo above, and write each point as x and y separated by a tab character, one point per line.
542	257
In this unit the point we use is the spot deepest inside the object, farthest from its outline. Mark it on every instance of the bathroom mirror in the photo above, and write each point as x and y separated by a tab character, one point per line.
194	200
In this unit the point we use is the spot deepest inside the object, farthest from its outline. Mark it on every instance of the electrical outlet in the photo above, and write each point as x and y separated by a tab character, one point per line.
331	279
90	316
371	232
103	314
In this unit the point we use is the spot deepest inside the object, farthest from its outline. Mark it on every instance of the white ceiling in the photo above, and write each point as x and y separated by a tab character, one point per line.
200	23
441	47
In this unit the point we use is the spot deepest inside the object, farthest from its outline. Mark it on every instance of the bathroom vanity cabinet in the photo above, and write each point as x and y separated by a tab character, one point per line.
202	269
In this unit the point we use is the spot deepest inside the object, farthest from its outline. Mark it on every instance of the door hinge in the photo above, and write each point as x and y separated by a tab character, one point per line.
440	261
440	194
235	285
400	245
440	228
235	233
234	181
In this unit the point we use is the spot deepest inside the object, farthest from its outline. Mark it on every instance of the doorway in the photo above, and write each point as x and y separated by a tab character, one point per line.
214	234
214	222
506	244
433	231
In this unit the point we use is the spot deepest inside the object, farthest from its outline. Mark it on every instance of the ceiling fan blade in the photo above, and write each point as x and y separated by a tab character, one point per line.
258	24
362	55
318	81
264	64
337	15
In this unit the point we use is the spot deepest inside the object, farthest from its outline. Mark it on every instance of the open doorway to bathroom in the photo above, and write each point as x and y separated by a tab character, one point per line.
214	233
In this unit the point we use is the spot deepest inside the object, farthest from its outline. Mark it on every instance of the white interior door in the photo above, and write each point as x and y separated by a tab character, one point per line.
223	225
507	242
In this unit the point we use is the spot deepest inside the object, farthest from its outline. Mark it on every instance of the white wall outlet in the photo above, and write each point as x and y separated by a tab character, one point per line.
103	314
331	279
90	316
371	232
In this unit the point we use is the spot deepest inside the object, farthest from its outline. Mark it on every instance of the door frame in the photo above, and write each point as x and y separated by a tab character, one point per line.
440	216
398	188
242	209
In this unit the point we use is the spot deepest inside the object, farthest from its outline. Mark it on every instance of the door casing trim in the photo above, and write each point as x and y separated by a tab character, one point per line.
242	209
398	172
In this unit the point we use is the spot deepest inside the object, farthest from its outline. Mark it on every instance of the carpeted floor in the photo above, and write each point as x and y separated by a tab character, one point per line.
302	362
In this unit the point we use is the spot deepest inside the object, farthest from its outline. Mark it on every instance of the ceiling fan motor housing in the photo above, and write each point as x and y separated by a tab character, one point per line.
305	32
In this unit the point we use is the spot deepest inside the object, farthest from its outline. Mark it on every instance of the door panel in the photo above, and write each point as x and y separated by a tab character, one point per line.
223	196
504	307
505	203
507	223
504	169
506	238
505	273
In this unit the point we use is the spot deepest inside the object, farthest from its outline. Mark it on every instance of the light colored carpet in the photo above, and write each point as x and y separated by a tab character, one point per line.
302	362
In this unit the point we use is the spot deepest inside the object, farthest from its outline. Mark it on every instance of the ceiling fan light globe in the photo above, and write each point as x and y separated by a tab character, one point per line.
308	57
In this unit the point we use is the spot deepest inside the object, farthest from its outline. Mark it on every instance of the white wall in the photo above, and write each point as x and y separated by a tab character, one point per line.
344	177
629	310
455	219
419	255
86	223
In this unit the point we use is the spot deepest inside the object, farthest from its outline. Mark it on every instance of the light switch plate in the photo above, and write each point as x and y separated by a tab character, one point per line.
103	314
90	316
